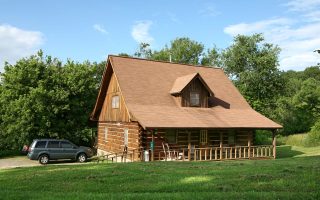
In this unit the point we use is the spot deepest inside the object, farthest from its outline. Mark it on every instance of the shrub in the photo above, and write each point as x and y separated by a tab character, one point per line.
263	137
313	137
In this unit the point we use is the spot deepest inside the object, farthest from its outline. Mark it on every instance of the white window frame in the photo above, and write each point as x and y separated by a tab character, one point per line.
116	101
126	136
106	133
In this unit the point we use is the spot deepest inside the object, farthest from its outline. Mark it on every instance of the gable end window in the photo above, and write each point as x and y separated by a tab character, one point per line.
115	101
194	99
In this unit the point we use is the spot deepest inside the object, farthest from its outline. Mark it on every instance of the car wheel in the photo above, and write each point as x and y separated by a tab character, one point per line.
82	157
44	159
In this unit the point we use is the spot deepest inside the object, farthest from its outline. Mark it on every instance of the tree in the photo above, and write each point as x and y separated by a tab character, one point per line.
253	66
40	97
182	50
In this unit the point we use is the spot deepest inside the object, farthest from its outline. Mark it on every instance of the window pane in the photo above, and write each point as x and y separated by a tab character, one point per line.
41	144
203	137
53	144
66	145
231	138
115	102
194	99
171	136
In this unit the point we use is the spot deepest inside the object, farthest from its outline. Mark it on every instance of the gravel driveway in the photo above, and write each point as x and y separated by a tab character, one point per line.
23	161
18	161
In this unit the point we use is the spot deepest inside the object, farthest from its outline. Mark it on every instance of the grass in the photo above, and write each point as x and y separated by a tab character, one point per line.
293	140
295	175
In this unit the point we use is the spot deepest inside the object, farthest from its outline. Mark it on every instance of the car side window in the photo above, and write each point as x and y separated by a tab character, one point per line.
53	144
66	145
41	144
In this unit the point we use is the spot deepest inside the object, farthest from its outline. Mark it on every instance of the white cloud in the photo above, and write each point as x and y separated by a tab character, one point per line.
297	37
16	43
302	5
256	27
140	31
100	28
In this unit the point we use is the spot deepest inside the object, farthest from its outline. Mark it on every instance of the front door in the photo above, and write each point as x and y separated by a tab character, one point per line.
203	139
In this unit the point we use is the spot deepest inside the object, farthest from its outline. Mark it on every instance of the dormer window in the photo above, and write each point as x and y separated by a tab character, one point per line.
194	99
115	101
191	91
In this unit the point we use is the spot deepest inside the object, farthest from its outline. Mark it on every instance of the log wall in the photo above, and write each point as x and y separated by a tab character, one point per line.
241	139
114	141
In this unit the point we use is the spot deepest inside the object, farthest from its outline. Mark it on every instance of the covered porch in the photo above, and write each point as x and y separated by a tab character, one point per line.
205	144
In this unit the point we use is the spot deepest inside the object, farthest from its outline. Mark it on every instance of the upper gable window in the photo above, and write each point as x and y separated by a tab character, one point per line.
115	101
194	99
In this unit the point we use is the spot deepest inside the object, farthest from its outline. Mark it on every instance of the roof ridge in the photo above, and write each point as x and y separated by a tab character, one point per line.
160	61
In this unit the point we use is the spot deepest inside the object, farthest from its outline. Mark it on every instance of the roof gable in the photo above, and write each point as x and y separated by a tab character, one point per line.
182	82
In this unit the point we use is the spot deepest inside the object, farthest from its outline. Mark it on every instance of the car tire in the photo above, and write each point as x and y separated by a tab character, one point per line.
82	157
44	159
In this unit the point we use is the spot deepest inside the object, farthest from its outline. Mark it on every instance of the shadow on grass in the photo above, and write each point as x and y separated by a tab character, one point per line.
287	152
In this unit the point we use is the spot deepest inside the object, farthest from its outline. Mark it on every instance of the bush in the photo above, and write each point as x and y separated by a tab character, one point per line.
313	137
263	137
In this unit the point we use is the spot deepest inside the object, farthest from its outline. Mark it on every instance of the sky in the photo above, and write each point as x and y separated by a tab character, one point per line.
92	30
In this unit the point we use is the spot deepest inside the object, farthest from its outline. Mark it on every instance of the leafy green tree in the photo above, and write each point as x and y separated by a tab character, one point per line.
182	50
40	98
253	66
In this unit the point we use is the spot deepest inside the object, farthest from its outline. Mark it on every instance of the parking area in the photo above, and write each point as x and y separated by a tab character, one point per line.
17	161
23	161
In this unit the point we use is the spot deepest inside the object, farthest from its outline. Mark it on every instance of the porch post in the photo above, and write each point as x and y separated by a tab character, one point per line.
152	147
274	143
189	146
249	144
221	144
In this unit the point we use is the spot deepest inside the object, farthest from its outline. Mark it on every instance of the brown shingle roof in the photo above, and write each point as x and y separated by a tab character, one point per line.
146	87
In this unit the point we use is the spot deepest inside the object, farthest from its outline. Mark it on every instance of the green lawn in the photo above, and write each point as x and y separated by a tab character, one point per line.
294	176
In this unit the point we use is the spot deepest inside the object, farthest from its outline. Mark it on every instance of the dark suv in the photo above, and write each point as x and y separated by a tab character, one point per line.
51	149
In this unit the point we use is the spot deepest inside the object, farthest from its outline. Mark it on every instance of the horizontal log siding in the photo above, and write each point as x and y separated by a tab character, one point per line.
241	139
115	137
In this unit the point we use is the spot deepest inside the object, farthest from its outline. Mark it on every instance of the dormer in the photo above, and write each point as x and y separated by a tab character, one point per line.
191	91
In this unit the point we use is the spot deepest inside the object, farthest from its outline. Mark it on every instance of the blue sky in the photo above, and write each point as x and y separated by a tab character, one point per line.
90	30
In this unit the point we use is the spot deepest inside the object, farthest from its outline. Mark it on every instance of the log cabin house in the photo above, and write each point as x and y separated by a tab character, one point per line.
175	111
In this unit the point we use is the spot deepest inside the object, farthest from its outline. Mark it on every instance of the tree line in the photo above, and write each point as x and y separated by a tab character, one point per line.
41	96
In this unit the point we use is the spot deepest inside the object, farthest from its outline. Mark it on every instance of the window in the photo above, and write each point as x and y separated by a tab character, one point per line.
171	136
194	99
126	131
231	138
53	144
203	137
41	144
66	145
105	133
115	102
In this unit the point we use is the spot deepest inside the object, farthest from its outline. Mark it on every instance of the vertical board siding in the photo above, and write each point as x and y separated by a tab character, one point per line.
114	114
195	86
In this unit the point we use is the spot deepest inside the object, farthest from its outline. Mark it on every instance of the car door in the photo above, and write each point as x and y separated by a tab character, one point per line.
55	152
68	149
